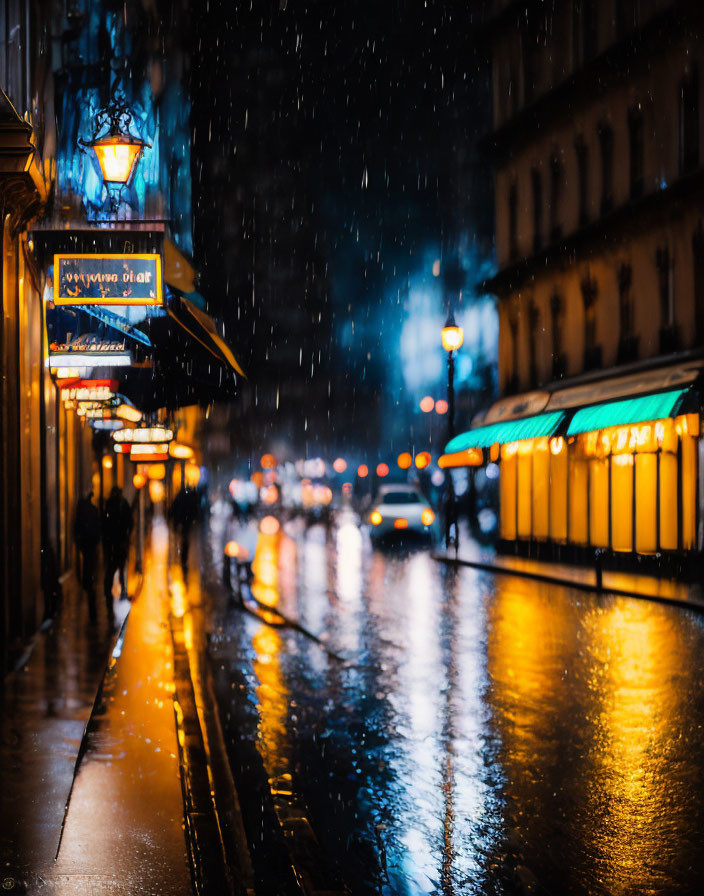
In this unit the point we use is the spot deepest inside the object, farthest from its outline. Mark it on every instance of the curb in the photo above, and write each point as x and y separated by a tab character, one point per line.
217	848
691	603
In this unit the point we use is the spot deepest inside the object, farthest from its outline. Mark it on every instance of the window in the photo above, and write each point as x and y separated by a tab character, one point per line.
558	360
628	342
537	209
512	385
513	221
606	148
533	327
555	193
666	288
592	352
636	150
689	122
582	172
625	301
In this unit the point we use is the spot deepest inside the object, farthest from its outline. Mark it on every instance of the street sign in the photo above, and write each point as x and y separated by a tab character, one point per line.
107	280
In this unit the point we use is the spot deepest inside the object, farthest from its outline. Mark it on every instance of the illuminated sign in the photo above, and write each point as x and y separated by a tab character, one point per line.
107	280
145	435
90	390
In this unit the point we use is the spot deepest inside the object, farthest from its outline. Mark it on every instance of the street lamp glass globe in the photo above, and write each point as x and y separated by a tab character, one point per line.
452	338
117	155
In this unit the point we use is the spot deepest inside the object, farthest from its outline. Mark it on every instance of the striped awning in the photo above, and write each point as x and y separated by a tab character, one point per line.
509	431
630	410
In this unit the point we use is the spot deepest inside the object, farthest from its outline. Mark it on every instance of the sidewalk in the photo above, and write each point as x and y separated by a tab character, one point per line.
105	787
583	577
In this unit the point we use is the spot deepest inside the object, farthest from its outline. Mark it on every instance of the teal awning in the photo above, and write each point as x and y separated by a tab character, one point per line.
508	431
630	410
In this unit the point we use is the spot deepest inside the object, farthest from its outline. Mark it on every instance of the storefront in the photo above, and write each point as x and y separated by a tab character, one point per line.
620	475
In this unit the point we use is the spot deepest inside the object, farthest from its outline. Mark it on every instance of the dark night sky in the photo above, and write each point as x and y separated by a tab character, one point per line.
333	145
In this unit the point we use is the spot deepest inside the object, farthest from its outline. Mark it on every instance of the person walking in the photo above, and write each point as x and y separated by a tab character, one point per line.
117	527
183	513
86	532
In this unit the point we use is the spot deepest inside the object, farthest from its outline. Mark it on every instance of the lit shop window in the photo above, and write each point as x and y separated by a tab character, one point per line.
558	489
507	489
622	502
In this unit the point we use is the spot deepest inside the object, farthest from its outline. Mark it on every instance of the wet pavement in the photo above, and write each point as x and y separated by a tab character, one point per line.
480	733
90	795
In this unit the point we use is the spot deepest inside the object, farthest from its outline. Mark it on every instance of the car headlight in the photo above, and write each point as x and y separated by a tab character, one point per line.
427	517
375	518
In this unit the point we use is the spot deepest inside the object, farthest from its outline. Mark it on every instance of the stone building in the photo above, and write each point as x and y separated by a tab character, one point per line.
600	285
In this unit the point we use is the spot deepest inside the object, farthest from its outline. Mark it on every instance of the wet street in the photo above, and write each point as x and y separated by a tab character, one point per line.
457	732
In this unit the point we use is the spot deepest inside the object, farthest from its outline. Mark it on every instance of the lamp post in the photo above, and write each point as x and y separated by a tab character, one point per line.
452	339
116	149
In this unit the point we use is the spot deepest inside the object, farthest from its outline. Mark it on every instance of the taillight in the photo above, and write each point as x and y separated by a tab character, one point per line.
427	517
375	518
401	523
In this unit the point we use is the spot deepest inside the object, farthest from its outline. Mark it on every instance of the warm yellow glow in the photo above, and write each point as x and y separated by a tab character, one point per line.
423	460
441	406
144	435
578	478
646	503
404	460
179	451
472	457
156	472
599	502
557	445
156	490
494	452
452	338
668	501
192	473
689	492
427	404
541	489
267	462
269	525
139	481
107	461
117	154
127	412
622	502
339	465
558	493
232	549
401	523
427	517
524	478
375	518
509	449
507	493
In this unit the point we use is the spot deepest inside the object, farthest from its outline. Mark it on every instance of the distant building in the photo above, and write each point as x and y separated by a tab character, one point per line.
597	151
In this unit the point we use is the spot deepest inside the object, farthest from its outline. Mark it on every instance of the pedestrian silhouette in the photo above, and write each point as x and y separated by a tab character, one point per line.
86	532
183	513
117	526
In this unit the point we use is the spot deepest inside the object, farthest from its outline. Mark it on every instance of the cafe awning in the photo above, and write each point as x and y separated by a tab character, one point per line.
631	410
533	427
202	328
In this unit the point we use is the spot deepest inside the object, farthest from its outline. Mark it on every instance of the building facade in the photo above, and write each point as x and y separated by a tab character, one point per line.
597	154
61	66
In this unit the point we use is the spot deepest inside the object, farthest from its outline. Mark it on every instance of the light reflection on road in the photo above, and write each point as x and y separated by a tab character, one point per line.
485	735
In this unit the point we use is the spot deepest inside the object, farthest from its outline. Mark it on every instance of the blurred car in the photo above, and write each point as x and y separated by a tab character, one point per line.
400	509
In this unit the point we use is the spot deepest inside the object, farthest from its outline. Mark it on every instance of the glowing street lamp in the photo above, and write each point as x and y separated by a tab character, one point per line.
116	149
452	339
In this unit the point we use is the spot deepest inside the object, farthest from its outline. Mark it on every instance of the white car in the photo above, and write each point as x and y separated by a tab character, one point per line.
399	509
